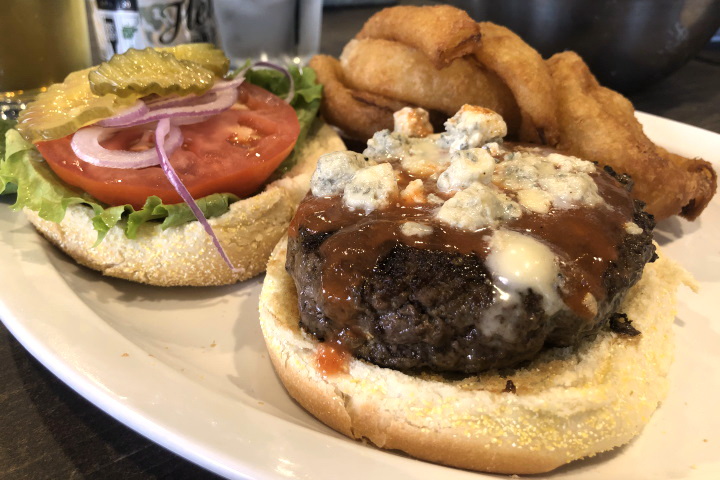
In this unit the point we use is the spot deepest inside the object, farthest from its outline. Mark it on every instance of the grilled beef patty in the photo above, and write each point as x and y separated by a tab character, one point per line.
397	281
423	308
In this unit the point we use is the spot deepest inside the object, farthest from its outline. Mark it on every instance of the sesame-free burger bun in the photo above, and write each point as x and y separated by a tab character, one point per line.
185	255
569	403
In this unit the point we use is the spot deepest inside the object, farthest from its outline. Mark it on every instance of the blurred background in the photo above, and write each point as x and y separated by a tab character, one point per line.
628	44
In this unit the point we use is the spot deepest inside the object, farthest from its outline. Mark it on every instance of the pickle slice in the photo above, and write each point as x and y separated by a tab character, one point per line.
204	54
90	95
65	107
147	72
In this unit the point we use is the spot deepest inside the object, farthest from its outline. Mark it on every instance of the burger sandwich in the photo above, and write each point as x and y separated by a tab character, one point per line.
487	305
161	166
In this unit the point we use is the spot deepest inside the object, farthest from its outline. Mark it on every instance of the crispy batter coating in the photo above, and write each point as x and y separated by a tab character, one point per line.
358	114
703	177
398	71
599	124
524	71
443	33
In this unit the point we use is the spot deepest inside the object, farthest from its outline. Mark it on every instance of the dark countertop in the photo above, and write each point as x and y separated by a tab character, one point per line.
49	431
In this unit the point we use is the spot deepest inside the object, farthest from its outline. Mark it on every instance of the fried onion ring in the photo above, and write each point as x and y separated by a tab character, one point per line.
394	70
443	33
599	124
524	71
358	114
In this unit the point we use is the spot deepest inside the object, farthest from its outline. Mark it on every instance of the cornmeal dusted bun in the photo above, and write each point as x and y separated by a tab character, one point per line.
568	403
185	255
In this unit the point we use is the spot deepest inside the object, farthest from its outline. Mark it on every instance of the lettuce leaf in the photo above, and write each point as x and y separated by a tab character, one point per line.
5	125
25	172
306	101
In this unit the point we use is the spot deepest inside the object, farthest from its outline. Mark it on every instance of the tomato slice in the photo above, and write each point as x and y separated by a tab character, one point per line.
233	152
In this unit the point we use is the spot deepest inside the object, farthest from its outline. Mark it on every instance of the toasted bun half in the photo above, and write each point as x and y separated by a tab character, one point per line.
185	255
569	403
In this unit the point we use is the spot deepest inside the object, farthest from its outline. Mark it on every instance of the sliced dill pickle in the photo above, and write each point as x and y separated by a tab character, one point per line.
65	107
90	95
148	71
204	54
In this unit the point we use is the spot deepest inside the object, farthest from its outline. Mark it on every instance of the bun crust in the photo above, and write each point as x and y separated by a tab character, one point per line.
570	403
184	255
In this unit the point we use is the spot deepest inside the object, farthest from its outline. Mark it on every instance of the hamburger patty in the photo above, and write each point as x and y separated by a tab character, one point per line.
423	309
457	253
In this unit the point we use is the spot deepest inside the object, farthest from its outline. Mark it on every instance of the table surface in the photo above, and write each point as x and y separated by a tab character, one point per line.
49	431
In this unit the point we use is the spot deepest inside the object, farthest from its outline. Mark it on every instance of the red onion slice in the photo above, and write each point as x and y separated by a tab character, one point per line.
291	92
194	99
219	98
135	111
163	127
210	103
234	83
86	145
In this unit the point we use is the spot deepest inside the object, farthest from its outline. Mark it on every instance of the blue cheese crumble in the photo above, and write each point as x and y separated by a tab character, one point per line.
386	144
412	122
542	182
334	171
470	180
466	168
472	127
419	156
372	188
476	207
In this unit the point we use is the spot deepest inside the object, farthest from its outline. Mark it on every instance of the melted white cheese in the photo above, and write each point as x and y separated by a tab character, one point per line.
423	158
416	229
632	228
519	263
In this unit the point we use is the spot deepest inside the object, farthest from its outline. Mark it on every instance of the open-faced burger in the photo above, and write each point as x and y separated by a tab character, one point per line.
487	305
161	166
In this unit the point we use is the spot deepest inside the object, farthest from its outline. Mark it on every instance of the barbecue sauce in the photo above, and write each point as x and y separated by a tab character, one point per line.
584	240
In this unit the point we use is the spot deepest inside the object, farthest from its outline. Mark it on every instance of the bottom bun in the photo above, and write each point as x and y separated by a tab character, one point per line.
185	255
569	403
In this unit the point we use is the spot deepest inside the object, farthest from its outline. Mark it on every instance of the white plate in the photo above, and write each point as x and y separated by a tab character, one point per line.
187	367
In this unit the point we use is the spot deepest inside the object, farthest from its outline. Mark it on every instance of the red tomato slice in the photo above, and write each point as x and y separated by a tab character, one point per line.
233	152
